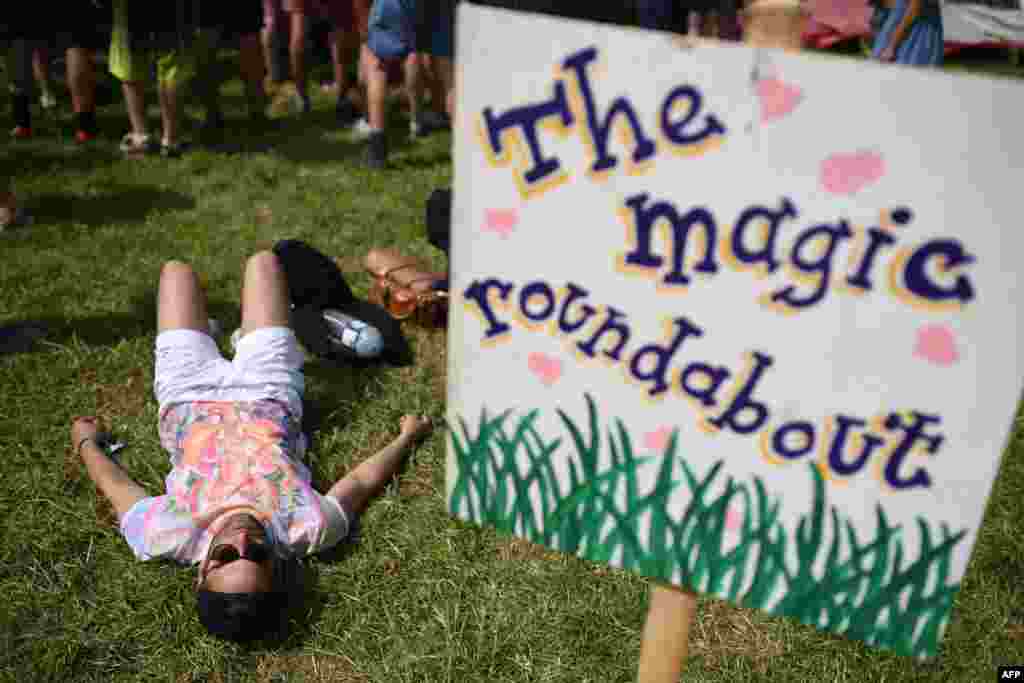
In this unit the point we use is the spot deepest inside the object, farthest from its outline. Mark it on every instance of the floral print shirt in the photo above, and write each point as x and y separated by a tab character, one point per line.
240	455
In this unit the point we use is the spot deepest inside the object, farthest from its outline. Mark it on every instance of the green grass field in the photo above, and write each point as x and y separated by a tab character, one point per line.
420	597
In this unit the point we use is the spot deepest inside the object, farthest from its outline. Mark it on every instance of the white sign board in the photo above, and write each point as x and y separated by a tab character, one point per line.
740	320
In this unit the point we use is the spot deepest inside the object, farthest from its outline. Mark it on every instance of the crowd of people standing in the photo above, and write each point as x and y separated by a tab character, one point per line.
373	45
177	43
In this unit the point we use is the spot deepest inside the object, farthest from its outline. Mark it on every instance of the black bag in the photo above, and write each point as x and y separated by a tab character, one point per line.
315	283
439	219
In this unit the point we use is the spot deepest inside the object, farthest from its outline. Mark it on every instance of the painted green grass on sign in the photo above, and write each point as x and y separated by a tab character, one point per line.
863	588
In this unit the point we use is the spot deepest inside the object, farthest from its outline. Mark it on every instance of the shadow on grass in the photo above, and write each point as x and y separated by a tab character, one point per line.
35	334
112	205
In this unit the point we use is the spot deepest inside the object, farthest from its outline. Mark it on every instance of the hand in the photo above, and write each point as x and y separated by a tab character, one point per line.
83	428
416	427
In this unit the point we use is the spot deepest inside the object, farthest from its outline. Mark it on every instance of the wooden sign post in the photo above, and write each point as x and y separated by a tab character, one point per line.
665	643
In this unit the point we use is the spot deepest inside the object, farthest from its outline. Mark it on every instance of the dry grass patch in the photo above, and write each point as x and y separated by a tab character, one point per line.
519	549
431	348
125	399
417	482
277	669
722	631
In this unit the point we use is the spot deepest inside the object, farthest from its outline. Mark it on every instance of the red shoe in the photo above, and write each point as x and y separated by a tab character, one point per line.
21	133
82	137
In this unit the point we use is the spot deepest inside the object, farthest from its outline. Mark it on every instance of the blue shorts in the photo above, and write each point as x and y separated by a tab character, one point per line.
392	29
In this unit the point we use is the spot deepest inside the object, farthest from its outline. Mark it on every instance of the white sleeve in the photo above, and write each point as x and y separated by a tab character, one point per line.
336	523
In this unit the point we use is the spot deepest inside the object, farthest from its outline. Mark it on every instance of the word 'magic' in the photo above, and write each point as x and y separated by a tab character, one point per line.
932	275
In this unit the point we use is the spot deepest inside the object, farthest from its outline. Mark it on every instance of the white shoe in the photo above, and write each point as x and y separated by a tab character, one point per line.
48	100
361	130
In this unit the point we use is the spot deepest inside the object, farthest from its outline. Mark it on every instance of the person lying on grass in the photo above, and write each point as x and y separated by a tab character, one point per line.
239	501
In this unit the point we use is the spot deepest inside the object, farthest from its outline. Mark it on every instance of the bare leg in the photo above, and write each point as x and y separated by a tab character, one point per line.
181	302
297	50
251	65
8	203
337	42
264	294
81	79
41	69
376	89
446	71
169	113
413	84
665	642
135	102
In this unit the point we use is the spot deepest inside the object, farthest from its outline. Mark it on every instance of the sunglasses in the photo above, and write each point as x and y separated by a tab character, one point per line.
227	553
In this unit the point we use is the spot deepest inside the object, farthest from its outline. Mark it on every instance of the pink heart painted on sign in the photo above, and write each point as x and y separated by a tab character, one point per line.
501	221
733	519
778	98
658	439
547	369
850	173
936	344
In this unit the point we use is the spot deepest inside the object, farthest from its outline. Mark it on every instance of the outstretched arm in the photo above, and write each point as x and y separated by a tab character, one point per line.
120	489
370	477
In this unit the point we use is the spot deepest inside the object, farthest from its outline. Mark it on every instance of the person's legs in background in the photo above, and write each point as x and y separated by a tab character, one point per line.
131	68
272	38
250	61
375	73
174	70
298	22
413	85
23	85
81	70
41	72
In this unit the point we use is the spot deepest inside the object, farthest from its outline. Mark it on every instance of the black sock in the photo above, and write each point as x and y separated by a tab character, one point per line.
22	111
86	121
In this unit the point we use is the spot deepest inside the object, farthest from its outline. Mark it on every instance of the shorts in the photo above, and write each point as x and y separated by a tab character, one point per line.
267	366
173	67
435	28
392	29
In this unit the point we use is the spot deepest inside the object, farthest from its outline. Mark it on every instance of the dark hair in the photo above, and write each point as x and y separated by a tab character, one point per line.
244	617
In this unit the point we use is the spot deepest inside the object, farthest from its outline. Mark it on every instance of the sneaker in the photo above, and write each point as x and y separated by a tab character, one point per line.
83	137
138	145
299	104
21	133
377	150
428	122
47	100
362	130
346	113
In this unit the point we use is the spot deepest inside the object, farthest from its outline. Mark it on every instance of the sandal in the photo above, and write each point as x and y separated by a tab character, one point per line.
405	289
137	144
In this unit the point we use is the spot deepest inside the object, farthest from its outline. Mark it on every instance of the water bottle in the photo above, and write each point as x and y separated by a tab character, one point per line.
362	339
